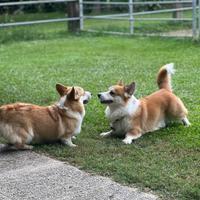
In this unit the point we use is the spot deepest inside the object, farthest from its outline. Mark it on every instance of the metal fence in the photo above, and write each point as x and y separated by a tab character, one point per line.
37	21
131	16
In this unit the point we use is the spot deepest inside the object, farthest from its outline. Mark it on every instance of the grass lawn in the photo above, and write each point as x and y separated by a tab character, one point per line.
166	161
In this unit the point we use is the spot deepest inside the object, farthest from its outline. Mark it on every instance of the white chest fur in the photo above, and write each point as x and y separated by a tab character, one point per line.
115	112
79	119
120	115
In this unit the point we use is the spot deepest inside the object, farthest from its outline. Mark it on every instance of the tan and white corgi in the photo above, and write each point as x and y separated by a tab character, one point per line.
132	118
22	124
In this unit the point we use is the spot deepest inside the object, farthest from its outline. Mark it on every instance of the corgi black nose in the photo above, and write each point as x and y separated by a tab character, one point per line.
99	95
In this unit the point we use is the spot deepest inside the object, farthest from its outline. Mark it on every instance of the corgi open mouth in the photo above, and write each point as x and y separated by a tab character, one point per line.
85	101
106	101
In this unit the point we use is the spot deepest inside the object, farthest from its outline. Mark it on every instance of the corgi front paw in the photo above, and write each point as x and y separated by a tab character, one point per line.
127	141
68	142
106	134
129	138
72	145
73	137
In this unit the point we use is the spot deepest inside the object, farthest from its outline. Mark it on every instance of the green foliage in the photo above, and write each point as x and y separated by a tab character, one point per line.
32	8
166	161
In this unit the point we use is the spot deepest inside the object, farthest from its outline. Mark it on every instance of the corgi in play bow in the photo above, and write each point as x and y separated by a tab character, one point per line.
22	124
131	117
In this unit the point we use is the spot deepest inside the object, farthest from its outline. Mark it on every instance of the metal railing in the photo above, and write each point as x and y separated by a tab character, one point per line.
131	16
135	3
32	2
36	21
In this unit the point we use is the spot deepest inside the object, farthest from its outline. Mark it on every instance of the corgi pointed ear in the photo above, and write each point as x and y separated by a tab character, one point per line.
129	89
120	82
61	89
73	94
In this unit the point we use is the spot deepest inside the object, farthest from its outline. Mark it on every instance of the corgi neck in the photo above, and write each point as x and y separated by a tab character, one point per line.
78	116
61	102
116	112
70	110
132	105
71	113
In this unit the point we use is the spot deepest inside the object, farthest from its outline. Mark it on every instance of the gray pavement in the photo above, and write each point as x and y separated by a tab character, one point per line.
27	175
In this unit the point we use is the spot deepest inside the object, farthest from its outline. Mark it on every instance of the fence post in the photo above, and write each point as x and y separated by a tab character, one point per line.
81	15
177	14
131	19
194	19
199	20
73	11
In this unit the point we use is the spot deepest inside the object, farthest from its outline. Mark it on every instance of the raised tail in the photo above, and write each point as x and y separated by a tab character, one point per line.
164	76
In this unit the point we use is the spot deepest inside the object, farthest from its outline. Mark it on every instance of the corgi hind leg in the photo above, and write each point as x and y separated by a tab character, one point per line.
22	146
185	121
18	139
17	146
180	112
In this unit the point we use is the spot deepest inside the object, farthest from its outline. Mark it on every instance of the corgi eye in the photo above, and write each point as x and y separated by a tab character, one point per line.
112	93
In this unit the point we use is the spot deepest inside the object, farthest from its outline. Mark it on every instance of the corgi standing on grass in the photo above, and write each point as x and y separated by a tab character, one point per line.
22	124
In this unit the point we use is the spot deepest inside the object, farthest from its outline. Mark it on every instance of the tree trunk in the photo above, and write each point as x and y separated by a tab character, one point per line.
177	14
97	8
73	11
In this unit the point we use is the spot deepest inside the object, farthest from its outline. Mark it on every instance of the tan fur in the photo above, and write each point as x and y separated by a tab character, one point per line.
159	106
133	117
22	123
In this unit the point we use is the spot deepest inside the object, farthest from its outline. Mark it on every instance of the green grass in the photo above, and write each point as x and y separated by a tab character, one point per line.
166	161
32	32
34	58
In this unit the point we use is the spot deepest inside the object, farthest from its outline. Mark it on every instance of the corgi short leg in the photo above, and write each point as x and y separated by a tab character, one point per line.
19	146
130	137
106	134
68	141
73	137
19	140
185	121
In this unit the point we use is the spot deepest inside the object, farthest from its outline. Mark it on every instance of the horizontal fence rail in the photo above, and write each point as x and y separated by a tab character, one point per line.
33	2
39	22
141	13
23	23
137	19
134	3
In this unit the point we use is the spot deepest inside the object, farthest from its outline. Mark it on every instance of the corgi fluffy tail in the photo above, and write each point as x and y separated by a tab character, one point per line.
164	76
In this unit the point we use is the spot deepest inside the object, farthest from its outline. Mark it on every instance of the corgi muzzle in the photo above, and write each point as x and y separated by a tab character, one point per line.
86	98
104	100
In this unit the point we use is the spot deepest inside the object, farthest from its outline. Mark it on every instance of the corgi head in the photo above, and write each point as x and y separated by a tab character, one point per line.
72	96
117	94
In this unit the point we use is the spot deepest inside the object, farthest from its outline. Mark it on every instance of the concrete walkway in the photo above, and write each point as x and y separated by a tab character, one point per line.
178	33
27	175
